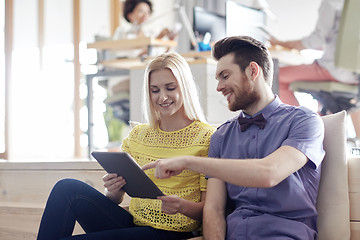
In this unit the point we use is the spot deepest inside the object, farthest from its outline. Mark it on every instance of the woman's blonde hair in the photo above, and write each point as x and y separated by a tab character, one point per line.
189	91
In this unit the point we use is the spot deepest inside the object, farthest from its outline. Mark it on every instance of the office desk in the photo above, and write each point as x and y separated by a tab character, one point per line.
123	44
288	57
129	44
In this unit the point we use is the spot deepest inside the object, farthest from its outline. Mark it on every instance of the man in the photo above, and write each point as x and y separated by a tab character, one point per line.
270	168
323	37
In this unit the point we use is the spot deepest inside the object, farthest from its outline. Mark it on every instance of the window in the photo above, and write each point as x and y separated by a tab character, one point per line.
41	124
2	77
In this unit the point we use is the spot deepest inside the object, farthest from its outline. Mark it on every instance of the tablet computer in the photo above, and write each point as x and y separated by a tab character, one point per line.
138	184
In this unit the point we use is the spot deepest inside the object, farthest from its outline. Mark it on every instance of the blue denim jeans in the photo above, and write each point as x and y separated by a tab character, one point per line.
71	200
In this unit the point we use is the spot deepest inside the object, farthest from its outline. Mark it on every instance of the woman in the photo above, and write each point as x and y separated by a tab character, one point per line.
136	12
176	127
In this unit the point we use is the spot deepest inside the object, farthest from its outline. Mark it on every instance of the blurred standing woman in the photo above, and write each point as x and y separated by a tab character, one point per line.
137	12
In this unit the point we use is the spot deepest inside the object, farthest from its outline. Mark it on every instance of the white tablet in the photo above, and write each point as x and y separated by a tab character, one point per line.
138	184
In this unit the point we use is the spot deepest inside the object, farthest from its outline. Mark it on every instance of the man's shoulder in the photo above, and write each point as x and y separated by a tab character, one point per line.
294	116
225	128
227	123
295	111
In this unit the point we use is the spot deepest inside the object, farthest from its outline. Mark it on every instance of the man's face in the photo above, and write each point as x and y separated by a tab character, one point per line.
235	85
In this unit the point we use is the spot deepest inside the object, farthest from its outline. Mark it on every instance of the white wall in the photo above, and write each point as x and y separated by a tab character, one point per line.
294	19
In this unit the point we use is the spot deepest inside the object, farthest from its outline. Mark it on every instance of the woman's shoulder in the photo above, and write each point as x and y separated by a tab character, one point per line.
202	128
138	128
200	124
135	124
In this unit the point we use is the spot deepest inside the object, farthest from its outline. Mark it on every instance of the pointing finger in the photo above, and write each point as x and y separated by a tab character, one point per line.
149	165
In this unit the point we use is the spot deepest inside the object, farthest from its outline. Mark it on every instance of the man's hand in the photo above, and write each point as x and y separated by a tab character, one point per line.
274	41
166	168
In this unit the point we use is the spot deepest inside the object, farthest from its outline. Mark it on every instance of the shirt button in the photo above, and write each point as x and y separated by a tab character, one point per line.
253	137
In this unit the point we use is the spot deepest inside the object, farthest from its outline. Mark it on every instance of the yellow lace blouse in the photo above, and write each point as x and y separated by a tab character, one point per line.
146	145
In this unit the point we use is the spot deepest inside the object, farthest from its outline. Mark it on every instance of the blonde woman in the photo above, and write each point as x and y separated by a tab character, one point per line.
176	126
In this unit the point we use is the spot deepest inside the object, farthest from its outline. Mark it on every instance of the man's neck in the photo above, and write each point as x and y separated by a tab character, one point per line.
266	97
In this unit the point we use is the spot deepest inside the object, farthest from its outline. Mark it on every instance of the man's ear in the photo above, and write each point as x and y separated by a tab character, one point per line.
253	70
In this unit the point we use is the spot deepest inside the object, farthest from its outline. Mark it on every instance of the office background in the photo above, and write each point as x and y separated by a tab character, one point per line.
45	122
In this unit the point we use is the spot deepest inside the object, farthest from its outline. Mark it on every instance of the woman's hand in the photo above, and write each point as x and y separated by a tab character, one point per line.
113	186
113	183
171	204
168	33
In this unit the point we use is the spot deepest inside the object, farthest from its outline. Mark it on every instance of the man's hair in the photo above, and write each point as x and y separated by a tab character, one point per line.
185	81
246	50
130	5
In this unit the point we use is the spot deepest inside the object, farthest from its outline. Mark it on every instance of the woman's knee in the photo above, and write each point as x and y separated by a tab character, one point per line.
68	186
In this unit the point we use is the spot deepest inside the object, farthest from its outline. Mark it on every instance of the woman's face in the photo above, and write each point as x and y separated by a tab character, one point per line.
140	14
165	94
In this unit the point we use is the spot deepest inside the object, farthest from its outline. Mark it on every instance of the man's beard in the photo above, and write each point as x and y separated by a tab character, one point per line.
244	97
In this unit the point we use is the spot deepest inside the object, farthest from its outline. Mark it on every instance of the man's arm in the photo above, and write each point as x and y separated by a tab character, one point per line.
263	172
296	44
214	223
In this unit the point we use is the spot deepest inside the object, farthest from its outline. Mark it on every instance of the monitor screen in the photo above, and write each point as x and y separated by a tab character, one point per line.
243	20
206	21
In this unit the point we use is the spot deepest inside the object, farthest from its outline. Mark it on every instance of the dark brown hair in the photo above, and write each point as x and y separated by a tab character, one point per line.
245	50
130	5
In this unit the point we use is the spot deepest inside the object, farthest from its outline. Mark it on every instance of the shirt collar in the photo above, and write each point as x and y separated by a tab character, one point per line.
266	111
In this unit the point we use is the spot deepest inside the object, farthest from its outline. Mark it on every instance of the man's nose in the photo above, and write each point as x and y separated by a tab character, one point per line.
219	86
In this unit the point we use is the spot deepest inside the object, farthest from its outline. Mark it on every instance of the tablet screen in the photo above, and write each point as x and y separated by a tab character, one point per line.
138	184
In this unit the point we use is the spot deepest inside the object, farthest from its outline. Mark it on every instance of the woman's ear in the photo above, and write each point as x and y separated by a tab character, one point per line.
129	16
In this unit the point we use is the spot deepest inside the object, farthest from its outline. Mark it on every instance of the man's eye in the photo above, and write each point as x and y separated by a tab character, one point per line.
225	76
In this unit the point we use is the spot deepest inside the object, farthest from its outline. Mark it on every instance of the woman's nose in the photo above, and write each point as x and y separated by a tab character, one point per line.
163	96
144	17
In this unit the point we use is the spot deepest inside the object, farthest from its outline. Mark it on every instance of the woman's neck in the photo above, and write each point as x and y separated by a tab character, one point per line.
174	124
